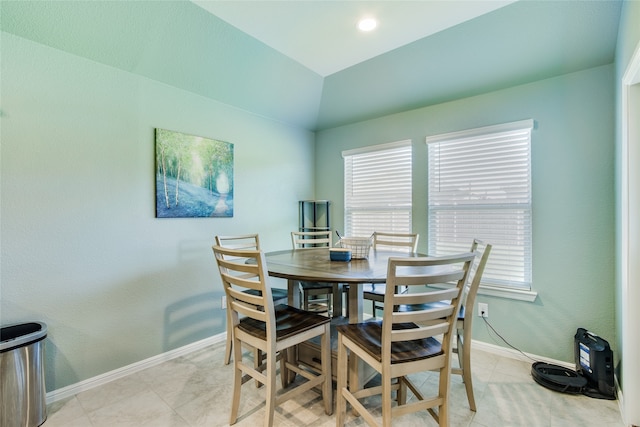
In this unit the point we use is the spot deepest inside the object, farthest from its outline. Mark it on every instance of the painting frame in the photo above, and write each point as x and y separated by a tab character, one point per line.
194	176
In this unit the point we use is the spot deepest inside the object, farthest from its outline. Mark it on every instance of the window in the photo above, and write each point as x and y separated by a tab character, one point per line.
377	189
480	186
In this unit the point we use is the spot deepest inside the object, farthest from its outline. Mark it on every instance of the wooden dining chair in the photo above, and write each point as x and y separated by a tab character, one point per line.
464	321
316	296
404	343
405	242
465	318
245	241
274	330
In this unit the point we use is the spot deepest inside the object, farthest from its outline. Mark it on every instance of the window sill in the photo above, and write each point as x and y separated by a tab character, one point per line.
500	292
517	294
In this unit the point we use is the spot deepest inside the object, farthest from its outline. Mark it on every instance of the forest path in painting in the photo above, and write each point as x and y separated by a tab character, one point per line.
193	201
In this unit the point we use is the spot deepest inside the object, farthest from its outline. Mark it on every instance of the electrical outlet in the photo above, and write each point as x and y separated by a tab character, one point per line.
223	302
483	309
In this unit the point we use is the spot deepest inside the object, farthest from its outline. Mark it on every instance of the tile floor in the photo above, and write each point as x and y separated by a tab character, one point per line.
195	390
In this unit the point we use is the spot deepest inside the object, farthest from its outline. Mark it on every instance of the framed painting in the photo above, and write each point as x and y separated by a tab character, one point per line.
194	176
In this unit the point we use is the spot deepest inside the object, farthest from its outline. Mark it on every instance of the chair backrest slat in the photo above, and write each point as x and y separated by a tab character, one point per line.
242	270
433	314
417	272
427	297
248	310
310	239
417	279
236	261
241	241
419	333
245	297
385	240
482	250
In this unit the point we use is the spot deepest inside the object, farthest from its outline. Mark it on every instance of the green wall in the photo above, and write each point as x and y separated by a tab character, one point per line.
573	198
81	247
178	43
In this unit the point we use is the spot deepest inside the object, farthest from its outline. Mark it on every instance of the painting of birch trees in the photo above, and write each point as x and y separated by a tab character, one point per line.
194	176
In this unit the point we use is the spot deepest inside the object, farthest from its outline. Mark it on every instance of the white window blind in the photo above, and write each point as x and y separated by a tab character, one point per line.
480	186
377	193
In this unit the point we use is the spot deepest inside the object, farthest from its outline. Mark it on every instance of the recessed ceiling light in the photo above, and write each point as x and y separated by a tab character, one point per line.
367	24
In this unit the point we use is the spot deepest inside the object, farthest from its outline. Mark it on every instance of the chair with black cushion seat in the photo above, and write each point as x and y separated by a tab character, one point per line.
316	296
404	343
245	241
405	242
464	320
274	330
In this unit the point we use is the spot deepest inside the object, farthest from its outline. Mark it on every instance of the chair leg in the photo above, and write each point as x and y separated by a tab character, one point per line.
257	361
354	380
237	381
464	347
327	386
378	307
284	375
292	357
459	350
336	300
401	396
271	389
229	343
386	400
443	391
341	402
345	304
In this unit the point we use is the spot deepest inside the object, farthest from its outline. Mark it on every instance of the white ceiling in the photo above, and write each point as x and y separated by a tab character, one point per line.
322	34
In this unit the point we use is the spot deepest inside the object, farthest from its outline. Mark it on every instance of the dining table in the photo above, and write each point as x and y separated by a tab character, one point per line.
315	265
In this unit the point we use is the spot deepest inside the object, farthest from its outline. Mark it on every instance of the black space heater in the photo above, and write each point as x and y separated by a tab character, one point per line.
593	376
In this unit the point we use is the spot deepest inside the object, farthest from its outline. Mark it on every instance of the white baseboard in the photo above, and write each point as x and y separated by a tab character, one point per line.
514	354
73	389
107	377
620	397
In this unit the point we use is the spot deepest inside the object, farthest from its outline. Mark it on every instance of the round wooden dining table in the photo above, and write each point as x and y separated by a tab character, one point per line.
314	265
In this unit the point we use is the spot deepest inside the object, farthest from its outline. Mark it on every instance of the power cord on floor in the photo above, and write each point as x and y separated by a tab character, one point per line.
492	329
556	377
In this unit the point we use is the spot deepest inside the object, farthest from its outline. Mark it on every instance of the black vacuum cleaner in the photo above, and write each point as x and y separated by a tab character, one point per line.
593	376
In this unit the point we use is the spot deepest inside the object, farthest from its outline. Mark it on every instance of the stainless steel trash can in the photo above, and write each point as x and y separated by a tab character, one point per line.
22	392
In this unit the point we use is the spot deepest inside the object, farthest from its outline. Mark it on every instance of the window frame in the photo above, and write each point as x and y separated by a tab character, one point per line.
399	205
466	202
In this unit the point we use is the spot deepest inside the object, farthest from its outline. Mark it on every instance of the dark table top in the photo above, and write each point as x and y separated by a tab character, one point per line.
314	265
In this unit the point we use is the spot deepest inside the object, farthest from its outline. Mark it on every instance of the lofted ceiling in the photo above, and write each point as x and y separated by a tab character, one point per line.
303	64
323	35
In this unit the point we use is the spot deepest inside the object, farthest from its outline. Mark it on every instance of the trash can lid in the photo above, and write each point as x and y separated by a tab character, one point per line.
21	334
